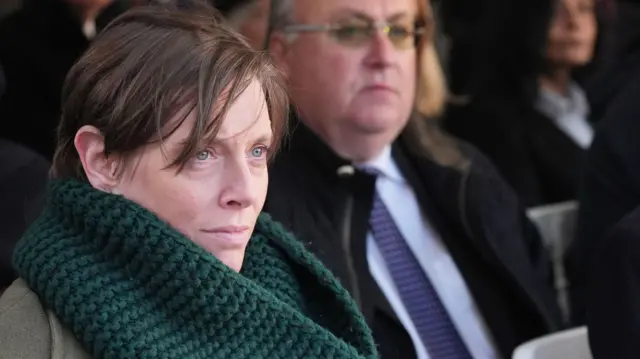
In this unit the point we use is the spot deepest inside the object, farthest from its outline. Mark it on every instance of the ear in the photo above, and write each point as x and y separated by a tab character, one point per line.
279	50
100	169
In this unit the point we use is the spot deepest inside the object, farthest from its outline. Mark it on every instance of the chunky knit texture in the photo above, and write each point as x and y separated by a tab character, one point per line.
130	286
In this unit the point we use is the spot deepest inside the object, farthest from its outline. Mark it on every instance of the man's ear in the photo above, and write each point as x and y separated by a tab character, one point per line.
279	50
100	169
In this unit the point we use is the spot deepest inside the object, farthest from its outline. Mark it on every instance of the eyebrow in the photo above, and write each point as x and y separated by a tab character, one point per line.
347	13
265	138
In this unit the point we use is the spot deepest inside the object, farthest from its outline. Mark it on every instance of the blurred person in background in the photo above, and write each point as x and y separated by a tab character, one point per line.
9	6
430	241
611	183
249	17
23	178
521	104
613	292
152	243
38	45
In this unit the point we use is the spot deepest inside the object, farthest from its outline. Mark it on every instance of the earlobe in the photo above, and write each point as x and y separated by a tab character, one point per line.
99	169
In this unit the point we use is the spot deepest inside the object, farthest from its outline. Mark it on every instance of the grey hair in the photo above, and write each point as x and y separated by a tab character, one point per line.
281	14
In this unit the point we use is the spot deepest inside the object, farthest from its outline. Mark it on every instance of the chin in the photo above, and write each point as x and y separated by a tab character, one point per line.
378	119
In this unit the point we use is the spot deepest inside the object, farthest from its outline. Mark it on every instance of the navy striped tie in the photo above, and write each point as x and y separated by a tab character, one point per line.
427	312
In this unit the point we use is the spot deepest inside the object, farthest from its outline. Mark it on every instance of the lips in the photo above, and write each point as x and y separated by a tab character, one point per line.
379	87
231	235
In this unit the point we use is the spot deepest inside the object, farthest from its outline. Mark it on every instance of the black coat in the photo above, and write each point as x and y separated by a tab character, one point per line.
38	46
611	184
613	303
536	158
23	179
496	250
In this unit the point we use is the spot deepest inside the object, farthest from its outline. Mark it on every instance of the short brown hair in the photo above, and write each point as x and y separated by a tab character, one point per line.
147	65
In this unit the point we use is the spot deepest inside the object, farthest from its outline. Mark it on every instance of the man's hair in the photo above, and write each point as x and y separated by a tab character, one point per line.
150	64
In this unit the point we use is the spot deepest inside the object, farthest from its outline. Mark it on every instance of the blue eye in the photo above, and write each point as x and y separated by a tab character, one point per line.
259	151
203	155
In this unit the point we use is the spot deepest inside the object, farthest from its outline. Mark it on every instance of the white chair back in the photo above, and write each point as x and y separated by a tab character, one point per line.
556	224
569	344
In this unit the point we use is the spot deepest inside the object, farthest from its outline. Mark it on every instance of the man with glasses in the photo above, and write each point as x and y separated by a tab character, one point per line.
431	243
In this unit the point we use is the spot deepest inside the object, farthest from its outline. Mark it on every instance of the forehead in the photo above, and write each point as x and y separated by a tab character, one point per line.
309	10
247	115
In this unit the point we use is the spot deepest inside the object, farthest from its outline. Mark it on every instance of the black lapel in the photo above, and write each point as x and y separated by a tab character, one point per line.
438	191
312	157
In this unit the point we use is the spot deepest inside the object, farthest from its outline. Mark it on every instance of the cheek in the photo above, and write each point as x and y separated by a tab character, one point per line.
180	207
262	185
591	32
408	75
168	197
332	72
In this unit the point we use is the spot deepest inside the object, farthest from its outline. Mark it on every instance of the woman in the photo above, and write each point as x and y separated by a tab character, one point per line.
151	244
525	110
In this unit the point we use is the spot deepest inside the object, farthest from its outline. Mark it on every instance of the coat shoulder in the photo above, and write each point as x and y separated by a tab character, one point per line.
24	324
30	331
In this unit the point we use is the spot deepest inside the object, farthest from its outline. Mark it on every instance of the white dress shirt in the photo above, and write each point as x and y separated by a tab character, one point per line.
569	113
434	259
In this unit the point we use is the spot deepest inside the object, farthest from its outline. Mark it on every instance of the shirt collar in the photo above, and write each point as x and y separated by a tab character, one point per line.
554	105
384	165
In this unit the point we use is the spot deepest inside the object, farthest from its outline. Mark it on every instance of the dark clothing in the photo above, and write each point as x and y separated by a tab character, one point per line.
605	87
38	46
536	158
23	179
497	251
614	293
500	84
610	188
480	61
226	7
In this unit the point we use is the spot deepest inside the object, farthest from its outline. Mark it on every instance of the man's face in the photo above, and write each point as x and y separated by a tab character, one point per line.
355	90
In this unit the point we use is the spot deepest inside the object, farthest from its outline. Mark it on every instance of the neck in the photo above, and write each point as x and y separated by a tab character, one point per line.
556	80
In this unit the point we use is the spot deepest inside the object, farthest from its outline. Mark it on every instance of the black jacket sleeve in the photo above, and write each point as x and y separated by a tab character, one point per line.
610	189
613	303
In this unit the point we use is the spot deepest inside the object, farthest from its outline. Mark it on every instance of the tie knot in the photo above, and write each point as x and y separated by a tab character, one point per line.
371	170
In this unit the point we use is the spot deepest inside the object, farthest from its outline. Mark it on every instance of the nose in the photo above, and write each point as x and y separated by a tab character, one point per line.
381	51
571	14
238	184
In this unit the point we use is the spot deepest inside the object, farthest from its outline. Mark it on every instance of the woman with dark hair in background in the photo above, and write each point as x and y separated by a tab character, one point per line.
524	108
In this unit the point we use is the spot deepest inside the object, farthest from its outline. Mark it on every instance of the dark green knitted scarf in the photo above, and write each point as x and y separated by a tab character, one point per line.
130	286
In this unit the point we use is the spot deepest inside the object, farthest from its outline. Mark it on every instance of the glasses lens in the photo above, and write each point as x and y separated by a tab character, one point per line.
359	33
401	36
353	34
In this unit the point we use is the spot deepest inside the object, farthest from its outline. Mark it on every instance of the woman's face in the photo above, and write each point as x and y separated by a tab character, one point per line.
216	199
572	33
